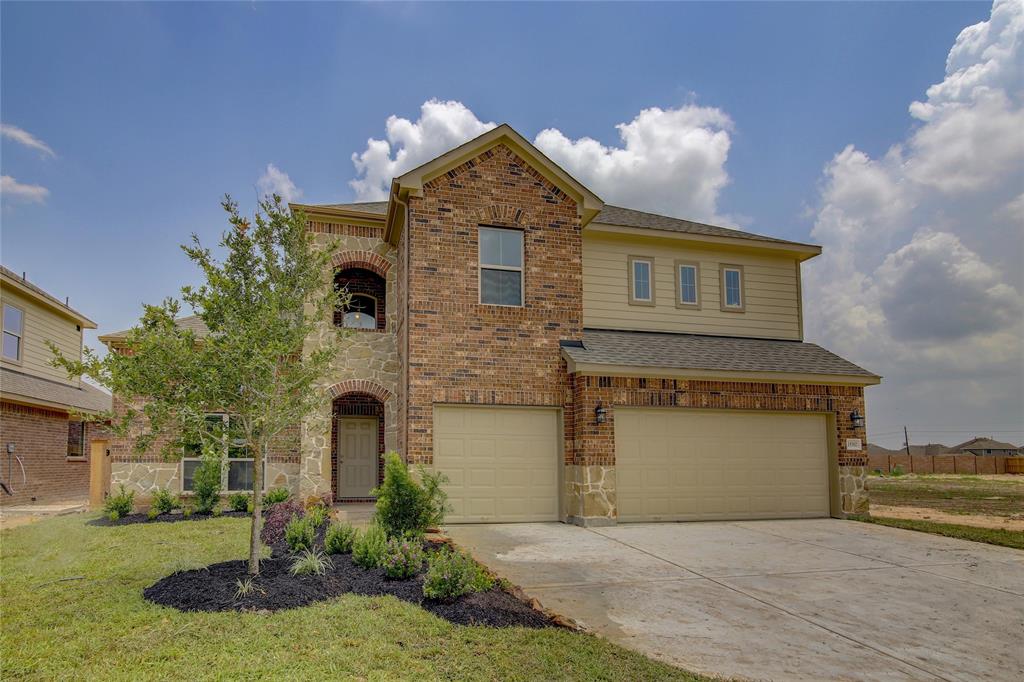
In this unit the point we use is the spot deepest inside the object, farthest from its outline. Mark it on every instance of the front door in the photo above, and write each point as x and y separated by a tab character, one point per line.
357	456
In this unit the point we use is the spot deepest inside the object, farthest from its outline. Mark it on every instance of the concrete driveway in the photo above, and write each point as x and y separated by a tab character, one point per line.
812	599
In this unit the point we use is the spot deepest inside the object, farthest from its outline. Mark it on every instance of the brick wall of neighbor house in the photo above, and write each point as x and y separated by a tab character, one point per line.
590	482
460	351
40	438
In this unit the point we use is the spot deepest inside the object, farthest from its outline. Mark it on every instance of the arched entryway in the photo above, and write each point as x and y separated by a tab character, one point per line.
357	445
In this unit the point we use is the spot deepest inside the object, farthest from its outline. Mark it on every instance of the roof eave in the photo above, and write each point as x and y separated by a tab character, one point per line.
49	301
799	250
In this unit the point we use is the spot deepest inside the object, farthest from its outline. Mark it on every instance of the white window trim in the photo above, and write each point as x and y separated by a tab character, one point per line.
743	294
225	464
680	303
20	334
631	278
481	266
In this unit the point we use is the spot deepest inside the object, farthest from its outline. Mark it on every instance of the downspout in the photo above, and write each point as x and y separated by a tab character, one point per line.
405	331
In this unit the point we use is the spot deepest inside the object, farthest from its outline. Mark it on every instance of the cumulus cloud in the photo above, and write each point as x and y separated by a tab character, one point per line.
276	181
12	190
25	138
408	144
668	160
920	279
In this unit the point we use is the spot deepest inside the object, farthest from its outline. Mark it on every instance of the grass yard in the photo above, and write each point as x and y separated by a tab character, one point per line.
96	625
992	536
1001	496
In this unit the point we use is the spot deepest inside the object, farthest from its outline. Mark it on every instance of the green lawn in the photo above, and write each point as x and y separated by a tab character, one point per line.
993	536
99	627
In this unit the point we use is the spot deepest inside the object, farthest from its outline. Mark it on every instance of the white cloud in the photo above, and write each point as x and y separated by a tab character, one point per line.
441	126
920	278
670	160
276	181
11	189
23	137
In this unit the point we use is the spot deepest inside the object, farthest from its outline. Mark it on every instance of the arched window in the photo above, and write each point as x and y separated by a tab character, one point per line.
361	312
366	294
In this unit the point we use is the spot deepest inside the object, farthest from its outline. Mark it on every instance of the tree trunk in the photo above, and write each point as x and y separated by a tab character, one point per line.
257	509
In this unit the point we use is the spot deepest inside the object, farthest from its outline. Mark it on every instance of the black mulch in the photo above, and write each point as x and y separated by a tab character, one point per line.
213	589
172	517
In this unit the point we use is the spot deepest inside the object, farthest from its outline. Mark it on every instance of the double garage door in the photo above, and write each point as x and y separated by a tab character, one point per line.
671	464
702	465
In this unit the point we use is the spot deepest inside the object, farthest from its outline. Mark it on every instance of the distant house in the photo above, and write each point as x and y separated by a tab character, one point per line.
916	450
983	445
45	454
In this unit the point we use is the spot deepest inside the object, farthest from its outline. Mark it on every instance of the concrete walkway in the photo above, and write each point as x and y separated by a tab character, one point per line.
783	600
19	515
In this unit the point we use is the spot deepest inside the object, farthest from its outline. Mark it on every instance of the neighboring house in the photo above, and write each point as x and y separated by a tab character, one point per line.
982	445
46	444
562	359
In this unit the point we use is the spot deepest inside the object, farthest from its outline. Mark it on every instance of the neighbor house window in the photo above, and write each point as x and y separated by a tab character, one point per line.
14	330
732	288
501	266
76	439
641	280
237	473
687	285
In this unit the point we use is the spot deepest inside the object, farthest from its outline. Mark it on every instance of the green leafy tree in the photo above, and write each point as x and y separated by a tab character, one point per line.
260	303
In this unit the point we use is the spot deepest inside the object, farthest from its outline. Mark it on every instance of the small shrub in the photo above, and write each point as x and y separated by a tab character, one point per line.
897	470
121	504
402	503
317	516
368	547
186	512
164	502
277	517
311	562
245	588
217	511
437	498
275	496
239	502
402	558
451	574
206	485
339	538
300	534
152	513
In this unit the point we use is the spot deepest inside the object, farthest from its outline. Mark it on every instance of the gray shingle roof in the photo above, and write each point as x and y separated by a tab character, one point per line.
380	207
17	385
983	443
193	322
698	352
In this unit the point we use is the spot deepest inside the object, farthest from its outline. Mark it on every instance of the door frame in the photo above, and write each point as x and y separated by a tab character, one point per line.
337	453
831	438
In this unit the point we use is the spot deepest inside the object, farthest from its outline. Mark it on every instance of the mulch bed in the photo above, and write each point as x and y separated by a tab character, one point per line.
173	517
213	589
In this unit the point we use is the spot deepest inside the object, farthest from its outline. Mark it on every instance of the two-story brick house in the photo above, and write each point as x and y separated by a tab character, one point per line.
46	443
562	359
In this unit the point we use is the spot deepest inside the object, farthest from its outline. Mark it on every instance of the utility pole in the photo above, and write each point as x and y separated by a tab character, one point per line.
906	439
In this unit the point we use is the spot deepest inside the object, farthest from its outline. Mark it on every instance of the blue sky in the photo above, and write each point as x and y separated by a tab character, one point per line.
153	111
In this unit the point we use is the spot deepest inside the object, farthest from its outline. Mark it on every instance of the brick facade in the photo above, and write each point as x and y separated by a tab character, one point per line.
459	351
40	437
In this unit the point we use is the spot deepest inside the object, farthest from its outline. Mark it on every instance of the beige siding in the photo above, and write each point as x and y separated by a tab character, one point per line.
771	287
42	325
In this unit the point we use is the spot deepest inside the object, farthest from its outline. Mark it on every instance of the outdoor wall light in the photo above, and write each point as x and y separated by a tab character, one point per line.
601	413
857	419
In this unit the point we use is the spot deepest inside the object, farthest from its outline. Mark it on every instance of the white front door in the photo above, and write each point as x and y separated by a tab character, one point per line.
357	456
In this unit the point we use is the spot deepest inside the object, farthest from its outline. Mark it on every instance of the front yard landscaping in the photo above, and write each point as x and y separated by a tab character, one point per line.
73	608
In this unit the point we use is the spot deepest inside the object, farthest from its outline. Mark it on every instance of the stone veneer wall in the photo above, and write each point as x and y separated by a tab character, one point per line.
366	360
460	351
590	477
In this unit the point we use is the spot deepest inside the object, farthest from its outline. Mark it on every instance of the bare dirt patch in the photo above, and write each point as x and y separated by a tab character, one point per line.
996	496
927	514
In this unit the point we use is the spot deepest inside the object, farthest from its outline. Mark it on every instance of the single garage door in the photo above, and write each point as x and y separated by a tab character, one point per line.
696	465
502	462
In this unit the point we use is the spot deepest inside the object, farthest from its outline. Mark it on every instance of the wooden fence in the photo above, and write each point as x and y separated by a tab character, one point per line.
947	464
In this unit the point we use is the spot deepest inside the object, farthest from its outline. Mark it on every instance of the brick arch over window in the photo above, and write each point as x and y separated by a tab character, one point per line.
367	260
366	386
502	214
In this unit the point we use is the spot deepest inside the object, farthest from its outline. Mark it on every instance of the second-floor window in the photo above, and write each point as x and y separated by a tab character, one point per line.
501	266
641	280
14	331
732	288
687	284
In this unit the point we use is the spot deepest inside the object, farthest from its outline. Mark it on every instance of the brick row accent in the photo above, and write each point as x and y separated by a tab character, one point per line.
595	443
360	386
368	260
345	229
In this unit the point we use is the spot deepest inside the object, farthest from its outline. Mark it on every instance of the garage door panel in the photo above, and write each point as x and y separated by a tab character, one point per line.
503	463
705	465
